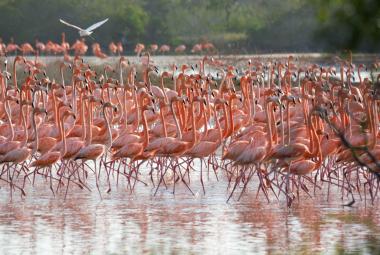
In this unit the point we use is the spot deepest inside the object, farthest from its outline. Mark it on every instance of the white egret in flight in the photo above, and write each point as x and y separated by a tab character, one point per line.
88	31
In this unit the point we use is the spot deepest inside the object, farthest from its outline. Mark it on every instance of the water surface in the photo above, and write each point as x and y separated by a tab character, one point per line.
139	222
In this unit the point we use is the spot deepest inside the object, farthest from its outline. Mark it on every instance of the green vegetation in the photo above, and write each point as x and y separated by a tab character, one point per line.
352	24
232	25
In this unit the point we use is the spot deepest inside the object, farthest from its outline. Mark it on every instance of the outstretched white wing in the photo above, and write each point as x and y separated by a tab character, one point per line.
70	25
96	25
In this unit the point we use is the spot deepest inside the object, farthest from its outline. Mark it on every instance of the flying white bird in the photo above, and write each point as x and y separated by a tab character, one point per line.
88	31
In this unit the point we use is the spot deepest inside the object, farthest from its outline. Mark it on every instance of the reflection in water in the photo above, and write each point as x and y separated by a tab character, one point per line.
122	222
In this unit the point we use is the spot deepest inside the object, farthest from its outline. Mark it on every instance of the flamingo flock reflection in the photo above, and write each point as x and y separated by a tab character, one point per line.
285	126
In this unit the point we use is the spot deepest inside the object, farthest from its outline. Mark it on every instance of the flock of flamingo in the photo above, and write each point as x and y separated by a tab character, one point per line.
285	126
80	48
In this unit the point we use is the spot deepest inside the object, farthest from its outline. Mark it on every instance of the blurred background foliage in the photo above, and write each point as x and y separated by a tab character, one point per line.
234	26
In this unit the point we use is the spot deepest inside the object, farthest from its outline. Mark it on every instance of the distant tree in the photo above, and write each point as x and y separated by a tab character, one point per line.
157	30
228	6
350	24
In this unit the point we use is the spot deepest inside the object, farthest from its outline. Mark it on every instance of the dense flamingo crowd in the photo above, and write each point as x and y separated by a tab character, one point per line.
286	126
79	47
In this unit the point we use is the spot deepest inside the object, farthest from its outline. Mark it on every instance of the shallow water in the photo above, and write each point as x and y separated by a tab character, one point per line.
123	222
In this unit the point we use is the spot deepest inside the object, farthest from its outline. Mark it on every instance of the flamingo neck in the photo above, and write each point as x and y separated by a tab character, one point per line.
247	101
125	107
25	128
312	135
36	141
220	135
109	133
163	90
221	86
179	132
74	97
194	140
89	127
273	124
165	132
146	130
56	120
373	124
83	102
319	150
269	133
20	116
253	101
205	122
63	137
9	119
282	125
121	105
3	88
231	118
137	110
226	125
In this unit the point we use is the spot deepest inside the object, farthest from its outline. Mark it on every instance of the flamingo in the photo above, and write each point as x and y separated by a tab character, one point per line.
180	48
26	48
153	48
119	48
197	48
139	48
112	47
12	47
164	48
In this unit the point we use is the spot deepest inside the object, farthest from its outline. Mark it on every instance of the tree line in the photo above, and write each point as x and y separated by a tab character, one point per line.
239	26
